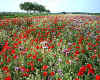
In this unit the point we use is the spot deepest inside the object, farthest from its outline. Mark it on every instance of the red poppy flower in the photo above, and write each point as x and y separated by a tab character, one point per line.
1	24
34	57
93	45
61	40
83	69
8	78
16	39
1	63
89	44
19	42
89	48
58	44
8	60
45	74
97	26
79	42
44	67
5	68
80	73
91	71
69	49
94	56
76	53
15	35
15	56
77	47
59	79
39	60
15	44
36	53
74	44
27	70
83	50
29	55
52	46
36	40
89	66
97	77
26	74
76	79
97	31
32	68
13	51
52	73
24	40
97	44
37	47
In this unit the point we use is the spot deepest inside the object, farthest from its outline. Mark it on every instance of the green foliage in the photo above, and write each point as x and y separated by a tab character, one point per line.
29	6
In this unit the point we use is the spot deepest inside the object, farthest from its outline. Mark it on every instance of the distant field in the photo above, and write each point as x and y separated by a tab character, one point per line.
13	15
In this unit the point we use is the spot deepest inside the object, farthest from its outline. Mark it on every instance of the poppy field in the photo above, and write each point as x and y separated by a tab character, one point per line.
52	47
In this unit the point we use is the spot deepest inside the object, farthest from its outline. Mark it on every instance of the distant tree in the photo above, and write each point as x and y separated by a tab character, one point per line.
38	7
48	11
63	12
41	8
27	6
35	7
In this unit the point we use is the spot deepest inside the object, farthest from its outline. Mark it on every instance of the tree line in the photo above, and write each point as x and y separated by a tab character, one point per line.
35	7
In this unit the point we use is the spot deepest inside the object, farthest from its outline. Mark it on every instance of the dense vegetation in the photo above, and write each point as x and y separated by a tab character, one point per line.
53	47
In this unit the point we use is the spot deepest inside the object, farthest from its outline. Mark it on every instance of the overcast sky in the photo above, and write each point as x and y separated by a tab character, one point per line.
54	5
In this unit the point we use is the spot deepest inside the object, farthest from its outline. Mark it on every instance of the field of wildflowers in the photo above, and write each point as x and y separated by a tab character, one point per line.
54	47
